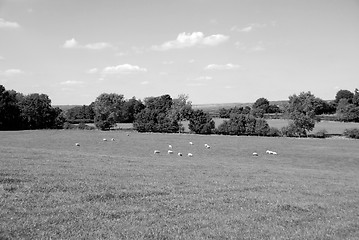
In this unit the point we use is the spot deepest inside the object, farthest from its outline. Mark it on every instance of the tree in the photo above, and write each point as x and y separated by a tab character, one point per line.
344	94
37	112
181	109
156	117
201	122
261	103
107	109
301	110
9	110
130	108
356	97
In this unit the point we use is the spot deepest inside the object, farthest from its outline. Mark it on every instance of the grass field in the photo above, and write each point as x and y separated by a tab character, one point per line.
51	189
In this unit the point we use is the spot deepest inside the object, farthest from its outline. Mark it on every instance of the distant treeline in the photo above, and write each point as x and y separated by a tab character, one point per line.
165	114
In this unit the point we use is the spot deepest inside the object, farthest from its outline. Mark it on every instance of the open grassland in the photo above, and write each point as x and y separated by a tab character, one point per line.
52	189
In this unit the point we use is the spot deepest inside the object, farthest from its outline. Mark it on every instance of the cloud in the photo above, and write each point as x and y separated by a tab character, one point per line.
71	83
72	43
203	78
228	66
185	40
123	69
256	48
248	28
12	72
145	82
6	24
92	71
98	46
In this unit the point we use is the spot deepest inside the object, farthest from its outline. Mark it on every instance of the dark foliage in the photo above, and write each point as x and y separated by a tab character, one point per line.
352	133
346	94
201	122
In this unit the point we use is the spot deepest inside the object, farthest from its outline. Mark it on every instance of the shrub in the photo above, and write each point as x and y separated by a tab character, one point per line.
68	125
293	131
320	134
352	133
274	132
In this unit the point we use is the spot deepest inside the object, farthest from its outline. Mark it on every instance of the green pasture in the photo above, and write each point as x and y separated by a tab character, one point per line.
52	189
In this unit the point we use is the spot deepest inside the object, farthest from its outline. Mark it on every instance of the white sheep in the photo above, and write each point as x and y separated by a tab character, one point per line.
156	152
170	146
170	152
104	139
179	154
77	144
190	143
190	155
208	146
112	139
255	154
271	152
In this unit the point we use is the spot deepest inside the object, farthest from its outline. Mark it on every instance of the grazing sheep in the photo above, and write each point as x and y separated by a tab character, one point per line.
190	143
208	146
274	153
156	152
77	144
112	139
170	152
179	154
104	139
169	146
190	155
271	152
255	154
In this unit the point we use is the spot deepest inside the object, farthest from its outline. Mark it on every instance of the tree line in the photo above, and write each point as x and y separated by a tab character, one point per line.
166	114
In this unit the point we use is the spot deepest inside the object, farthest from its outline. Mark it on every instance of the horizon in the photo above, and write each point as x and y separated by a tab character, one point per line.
216	52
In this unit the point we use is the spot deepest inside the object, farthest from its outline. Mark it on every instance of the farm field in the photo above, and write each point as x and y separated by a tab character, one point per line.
52	189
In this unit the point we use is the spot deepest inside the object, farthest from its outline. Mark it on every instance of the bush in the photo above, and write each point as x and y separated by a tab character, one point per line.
274	132
293	131
320	134
352	133
68	125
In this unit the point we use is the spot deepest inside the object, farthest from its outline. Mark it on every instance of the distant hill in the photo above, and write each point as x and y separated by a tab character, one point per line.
216	106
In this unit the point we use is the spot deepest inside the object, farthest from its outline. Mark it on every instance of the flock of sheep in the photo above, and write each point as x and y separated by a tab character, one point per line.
170	151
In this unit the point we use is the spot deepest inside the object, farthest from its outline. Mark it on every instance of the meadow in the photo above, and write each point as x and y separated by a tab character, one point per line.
52	189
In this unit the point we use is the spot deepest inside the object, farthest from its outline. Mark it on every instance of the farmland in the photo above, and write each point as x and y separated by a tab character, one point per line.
119	189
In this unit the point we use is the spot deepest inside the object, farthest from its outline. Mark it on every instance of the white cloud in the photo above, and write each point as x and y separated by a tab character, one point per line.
248	28
228	66
203	78
195	84
185	40
145	82
123	69
98	46
72	43
92	71
71	83
168	62
12	72
6	24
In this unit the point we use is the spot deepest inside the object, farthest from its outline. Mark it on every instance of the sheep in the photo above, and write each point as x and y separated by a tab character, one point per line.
170	146
179	154
271	152
190	143
170	152
255	154
156	152
190	155
104	139
112	139
77	144
208	147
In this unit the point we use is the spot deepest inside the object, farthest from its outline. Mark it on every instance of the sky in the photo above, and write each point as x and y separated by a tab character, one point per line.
215	51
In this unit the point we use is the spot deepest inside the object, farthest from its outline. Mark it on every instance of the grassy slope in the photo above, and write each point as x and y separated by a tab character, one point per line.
121	190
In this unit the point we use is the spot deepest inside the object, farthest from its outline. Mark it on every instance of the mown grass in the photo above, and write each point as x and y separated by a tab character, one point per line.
51	189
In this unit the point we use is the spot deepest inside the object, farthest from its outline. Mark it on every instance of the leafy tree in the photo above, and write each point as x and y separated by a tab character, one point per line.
301	110
201	122
36	111
130	108
9	110
80	113
107	108
356	97
156	117
261	103
344	94
273	109
181	109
